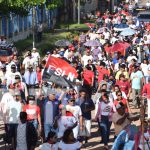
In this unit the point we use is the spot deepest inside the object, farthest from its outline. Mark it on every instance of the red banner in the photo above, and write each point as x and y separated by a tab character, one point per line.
57	68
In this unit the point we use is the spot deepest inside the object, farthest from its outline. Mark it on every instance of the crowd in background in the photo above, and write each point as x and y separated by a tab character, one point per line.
107	81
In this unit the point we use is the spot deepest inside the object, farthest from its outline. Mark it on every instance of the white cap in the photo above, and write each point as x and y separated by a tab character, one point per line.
34	49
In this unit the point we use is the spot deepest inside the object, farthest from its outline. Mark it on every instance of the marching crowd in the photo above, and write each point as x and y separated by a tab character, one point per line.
108	79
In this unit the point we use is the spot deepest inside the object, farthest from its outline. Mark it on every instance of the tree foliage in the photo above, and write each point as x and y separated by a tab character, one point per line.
22	7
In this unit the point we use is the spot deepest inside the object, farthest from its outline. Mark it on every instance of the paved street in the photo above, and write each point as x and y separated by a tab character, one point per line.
93	142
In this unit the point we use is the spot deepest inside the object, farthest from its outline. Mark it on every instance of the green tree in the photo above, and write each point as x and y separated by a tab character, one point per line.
22	7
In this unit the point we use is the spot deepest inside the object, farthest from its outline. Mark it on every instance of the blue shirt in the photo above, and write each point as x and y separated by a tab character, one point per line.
86	104
55	108
136	79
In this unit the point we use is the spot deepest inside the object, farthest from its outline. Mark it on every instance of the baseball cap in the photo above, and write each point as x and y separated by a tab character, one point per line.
61	53
70	46
53	92
34	49
31	98
47	53
13	66
17	77
71	100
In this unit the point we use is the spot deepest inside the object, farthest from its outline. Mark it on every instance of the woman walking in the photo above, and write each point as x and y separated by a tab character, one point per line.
104	115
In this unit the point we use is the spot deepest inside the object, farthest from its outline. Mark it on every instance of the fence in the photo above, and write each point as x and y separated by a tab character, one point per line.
16	27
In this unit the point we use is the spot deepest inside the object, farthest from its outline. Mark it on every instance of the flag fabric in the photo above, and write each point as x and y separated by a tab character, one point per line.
60	72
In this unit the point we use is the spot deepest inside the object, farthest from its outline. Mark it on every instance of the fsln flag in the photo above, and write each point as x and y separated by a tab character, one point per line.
59	71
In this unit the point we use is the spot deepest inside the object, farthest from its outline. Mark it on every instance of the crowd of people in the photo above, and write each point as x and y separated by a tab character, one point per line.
111	83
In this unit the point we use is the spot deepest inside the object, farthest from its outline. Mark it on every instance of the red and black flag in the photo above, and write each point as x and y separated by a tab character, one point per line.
59	71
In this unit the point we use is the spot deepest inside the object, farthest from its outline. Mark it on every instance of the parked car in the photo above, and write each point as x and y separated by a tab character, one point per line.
144	16
138	9
6	50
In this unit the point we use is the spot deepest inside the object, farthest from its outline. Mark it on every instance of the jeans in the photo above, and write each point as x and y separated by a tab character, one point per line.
34	122
47	129
135	95
146	79
76	131
10	131
87	128
105	125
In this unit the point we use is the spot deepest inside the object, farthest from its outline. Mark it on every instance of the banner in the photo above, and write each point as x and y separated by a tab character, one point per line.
59	71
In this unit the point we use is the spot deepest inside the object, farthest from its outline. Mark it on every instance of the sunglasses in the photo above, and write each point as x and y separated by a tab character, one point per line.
119	95
72	101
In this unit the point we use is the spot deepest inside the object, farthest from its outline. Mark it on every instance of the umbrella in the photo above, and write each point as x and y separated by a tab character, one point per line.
91	43
121	27
101	30
62	43
127	32
117	47
120	47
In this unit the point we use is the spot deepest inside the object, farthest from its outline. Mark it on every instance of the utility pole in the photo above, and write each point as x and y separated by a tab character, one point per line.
78	11
74	11
33	25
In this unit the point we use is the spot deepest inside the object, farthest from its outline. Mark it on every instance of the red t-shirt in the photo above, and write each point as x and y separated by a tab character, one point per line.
32	111
124	86
39	76
146	89
69	113
101	72
130	69
88	75
124	101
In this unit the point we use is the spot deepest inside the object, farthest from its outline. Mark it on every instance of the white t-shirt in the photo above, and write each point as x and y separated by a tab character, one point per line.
107	35
129	59
11	107
8	67
28	61
148	4
36	57
14	109
66	54
85	59
7	97
106	107
63	123
144	68
47	146
10	77
73	146
55	55
75	110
